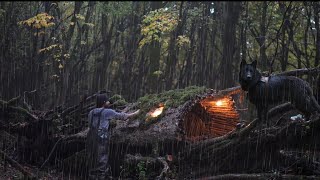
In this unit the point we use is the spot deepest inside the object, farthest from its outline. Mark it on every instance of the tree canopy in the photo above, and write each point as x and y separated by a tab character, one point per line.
66	49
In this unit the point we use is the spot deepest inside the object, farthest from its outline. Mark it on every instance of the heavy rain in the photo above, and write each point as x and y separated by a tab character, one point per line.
159	90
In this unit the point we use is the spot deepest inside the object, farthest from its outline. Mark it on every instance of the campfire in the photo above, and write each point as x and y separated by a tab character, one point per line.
155	112
220	103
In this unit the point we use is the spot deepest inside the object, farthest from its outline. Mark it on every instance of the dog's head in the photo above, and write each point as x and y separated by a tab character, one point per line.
247	74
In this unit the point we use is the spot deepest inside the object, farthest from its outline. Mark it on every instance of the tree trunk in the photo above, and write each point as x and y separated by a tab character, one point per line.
186	75
172	58
66	71
130	57
102	64
262	38
154	58
316	20
286	11
231	15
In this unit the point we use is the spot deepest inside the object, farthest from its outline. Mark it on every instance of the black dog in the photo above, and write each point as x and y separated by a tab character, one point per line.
264	91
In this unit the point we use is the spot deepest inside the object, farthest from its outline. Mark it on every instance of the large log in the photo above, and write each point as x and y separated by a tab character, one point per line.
167	134
300	72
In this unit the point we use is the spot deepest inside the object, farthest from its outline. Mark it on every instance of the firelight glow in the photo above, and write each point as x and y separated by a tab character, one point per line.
157	112
219	103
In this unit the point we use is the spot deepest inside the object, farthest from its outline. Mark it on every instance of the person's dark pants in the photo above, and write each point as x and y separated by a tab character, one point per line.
98	159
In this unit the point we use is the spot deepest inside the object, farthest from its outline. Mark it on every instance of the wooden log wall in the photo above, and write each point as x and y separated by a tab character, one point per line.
211	117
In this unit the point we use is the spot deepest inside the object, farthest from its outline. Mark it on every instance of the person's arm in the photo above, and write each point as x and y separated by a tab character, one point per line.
129	115
124	116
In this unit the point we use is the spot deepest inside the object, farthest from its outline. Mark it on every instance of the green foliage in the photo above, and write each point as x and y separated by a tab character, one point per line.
2	12
116	9
96	38
141	169
118	100
195	12
156	24
171	98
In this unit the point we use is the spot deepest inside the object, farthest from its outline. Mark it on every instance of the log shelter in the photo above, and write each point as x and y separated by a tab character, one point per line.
211	117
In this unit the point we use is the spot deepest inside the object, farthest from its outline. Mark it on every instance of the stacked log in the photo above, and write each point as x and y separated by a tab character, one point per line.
224	117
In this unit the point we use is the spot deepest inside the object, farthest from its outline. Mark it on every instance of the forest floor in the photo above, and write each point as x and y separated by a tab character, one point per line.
11	173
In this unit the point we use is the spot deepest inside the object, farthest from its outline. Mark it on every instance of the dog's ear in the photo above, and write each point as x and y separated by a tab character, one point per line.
254	63
243	62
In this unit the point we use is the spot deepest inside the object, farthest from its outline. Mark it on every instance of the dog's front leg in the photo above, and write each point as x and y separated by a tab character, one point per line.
259	111
263	114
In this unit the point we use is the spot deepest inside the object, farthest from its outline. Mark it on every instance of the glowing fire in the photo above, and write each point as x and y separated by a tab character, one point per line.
157	112
223	102
219	103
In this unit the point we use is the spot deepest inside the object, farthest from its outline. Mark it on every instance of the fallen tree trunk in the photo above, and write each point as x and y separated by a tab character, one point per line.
167	135
300	72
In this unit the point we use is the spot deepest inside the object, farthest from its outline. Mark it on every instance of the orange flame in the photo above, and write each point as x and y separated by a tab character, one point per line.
219	103
157	112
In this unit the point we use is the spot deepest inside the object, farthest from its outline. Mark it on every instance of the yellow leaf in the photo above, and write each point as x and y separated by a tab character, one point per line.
43	23
41	20
66	56
60	66
50	24
79	16
89	24
37	26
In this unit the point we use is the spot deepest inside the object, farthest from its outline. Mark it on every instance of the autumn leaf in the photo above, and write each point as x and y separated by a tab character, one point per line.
158	73
182	40
89	24
66	56
42	20
80	17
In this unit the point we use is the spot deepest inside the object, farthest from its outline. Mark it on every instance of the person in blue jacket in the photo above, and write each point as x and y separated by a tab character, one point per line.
98	136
